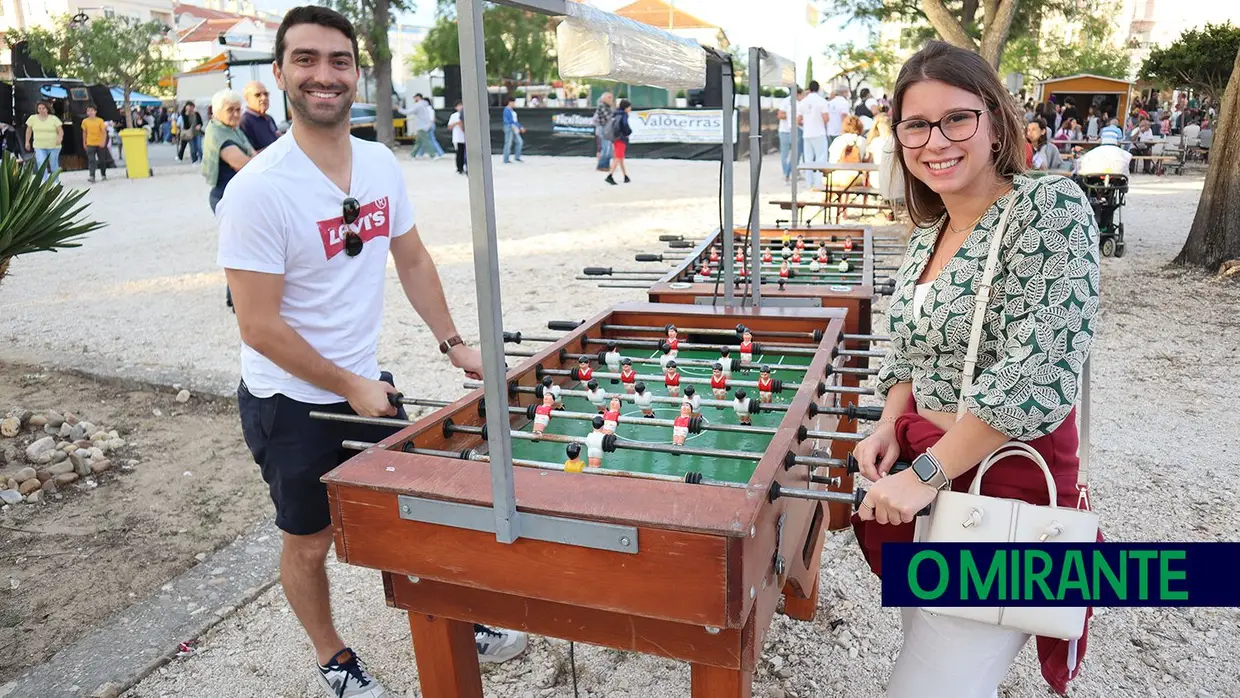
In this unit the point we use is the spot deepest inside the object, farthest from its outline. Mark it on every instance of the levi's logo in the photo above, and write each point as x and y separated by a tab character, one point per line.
372	222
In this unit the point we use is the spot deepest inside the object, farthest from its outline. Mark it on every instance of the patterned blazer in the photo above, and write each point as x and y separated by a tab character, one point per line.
1039	324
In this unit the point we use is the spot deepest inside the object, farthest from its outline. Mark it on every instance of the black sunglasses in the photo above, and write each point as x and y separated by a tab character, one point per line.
352	241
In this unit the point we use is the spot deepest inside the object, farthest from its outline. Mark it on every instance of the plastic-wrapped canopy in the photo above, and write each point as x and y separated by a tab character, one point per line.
596	44
777	70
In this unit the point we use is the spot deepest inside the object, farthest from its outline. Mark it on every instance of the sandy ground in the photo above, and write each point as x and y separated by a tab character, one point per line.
1165	420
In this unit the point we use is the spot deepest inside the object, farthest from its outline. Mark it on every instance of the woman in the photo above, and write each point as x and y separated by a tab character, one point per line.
225	150
621	142
849	146
189	133
44	134
960	153
1067	133
1045	155
882	149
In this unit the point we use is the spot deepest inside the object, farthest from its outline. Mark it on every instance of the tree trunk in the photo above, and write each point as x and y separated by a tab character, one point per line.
946	24
381	55
999	14
968	12
128	111
1215	235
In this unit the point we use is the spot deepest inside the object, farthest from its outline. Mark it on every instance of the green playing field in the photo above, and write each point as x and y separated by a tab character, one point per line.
729	469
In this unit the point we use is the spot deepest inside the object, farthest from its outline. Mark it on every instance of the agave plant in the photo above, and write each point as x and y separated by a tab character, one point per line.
36	214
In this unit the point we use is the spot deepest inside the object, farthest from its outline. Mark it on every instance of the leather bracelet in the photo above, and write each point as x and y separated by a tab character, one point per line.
446	345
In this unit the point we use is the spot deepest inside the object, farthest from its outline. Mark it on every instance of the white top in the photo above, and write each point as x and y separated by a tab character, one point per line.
457	128
813	107
281	215
597	396
837	109
594	444
919	298
741	406
695	400
612	359
726	362
836	151
422	115
1104	159
785	105
645	399
882	151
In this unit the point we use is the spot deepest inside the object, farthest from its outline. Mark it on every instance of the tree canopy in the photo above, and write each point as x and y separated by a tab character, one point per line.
518	44
1094	49
372	19
112	51
1201	59
877	64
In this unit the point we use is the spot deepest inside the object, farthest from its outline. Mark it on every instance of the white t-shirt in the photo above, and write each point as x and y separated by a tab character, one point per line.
813	107
282	215
837	109
785	105
458	134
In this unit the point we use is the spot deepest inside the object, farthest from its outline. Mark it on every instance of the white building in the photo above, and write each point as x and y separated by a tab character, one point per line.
24	14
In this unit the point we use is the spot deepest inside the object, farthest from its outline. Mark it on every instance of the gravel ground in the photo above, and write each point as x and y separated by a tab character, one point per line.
1166	335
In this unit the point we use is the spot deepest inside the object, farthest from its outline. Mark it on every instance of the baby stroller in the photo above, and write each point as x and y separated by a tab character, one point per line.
1107	194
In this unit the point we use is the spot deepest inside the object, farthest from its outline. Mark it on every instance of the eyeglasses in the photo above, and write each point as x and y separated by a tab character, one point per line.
955	126
352	241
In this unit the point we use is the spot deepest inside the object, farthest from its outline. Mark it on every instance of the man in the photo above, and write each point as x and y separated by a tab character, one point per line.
95	141
1112	129
837	109
456	126
421	117
813	117
512	131
602	115
256	123
786	159
306	264
1107	158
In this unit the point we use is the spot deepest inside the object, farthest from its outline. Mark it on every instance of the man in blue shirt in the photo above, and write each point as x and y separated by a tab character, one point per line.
1112	129
512	131
256	124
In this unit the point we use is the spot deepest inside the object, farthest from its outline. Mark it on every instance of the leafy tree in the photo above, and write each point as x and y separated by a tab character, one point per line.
517	46
809	70
112	51
373	19
877	64
442	46
1200	59
1093	50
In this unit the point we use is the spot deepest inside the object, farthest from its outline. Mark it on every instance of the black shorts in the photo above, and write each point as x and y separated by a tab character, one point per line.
293	451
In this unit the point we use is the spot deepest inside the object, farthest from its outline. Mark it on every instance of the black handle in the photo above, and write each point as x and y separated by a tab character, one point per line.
671	238
564	325
897	467
394	399
597	271
869	414
512	337
647	257
680	245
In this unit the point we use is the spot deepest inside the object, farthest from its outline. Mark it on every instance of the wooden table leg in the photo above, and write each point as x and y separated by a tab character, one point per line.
714	682
799	608
447	657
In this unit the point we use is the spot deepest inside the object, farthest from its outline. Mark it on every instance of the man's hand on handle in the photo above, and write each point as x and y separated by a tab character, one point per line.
370	398
468	359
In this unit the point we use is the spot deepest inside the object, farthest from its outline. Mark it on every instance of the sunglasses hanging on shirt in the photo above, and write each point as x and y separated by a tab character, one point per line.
352	241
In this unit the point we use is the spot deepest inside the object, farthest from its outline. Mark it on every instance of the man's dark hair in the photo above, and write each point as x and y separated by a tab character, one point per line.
419	96
624	104
813	85
313	14
459	102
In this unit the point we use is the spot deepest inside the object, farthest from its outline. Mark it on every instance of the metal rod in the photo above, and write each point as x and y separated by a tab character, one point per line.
617	277
755	169
683	379
704	363
654	344
625	397
728	155
620	443
486	260
796	159
850	498
717	331
622	284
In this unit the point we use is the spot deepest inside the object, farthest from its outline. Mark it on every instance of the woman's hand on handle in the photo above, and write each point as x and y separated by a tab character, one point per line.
877	452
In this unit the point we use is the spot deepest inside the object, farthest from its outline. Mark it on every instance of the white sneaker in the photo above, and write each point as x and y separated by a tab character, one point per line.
495	646
346	677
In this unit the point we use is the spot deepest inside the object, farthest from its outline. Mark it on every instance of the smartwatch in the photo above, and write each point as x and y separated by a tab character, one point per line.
446	345
930	472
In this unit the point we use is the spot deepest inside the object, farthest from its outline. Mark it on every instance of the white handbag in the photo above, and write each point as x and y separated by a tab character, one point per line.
960	517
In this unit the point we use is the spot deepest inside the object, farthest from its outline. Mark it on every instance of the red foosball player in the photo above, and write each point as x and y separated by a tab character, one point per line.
705	271
584	373
740	256
746	347
718	382
672	342
800	242
671	379
542	413
549	387
694	400
627	375
574	464
714	254
784	272
824	257
680	427
741	405
742	273
795	258
594	443
767	257
644	400
848	244
611	418
766	386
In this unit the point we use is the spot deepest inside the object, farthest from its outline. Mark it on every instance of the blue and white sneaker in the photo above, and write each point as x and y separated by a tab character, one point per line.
346	677
495	646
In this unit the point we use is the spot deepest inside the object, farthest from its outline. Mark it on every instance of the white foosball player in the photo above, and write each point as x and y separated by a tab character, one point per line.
612	358
594	443
596	395
741	404
644	400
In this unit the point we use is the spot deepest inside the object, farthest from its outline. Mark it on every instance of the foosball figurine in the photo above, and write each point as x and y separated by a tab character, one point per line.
596	395
725	361
766	386
767	257
611	418
718	382
542	413
612	359
627	375
740	255
680	427
594	443
694	400
786	238
671	379
667	357
672	342
784	271
848	244
844	266
814	265
644	400
795	258
574	464
746	347
714	254
705	271
584	373
786	252
741	405
824	256
554	390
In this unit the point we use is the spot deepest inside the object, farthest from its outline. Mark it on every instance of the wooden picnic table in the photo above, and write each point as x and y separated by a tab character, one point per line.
857	185
840	167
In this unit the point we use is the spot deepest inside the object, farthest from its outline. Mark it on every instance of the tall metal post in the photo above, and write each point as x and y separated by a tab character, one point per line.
796	158
729	155
755	167
486	266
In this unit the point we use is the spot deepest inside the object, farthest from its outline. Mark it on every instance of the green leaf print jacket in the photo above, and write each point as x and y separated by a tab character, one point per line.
1039	324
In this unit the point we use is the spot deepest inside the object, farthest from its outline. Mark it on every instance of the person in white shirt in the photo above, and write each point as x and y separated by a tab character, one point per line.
1107	158
785	134
421	119
456	124
812	111
837	109
882	150
305	230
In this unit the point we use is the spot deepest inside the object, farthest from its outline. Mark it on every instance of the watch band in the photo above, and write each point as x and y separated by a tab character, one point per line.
938	479
446	345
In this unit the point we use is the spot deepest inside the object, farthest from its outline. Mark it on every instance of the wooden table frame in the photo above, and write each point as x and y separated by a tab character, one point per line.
702	587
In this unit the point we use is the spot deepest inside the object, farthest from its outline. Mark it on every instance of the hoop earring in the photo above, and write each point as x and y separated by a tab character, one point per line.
996	147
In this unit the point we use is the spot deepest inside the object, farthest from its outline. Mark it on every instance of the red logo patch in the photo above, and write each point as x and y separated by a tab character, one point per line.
372	222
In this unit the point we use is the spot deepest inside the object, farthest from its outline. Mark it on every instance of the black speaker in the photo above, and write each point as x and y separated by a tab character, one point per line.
712	94
24	66
451	85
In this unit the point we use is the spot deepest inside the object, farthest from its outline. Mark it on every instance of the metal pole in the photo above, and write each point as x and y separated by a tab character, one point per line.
796	159
486	264
728	232
755	167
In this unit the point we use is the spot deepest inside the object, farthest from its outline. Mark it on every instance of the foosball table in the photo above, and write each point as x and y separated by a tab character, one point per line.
696	503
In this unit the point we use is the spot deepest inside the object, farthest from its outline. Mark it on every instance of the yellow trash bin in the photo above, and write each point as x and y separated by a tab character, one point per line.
136	164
